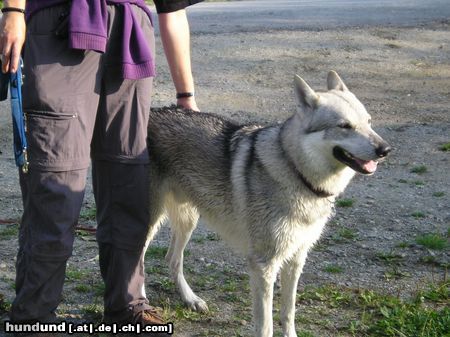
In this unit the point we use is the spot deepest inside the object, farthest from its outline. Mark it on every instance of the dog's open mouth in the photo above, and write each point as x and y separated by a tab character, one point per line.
359	165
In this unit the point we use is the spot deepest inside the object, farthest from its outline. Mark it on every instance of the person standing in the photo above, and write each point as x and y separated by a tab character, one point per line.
88	72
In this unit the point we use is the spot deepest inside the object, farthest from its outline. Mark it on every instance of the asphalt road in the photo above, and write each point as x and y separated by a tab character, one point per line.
259	15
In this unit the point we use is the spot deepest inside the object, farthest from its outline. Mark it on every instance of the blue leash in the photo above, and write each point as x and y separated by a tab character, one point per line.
14	80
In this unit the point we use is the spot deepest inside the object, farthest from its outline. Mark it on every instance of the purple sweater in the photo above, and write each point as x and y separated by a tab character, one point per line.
88	30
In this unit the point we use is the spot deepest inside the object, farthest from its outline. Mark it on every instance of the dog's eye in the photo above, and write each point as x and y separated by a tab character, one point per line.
345	125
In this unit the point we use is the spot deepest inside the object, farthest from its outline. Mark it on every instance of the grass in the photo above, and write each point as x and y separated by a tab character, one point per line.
445	147
9	232
429	259
157	269
395	273
88	214
99	289
75	274
93	312
345	234
438	194
211	236
390	257
300	334
156	252
345	202
333	269
329	295
82	288
198	239
418	215
432	241
408	319
420	169
403	244
368	313
5	306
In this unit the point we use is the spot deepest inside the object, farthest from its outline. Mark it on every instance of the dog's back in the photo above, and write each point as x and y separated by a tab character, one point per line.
191	157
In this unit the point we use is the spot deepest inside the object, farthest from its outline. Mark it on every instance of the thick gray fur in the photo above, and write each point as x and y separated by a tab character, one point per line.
267	190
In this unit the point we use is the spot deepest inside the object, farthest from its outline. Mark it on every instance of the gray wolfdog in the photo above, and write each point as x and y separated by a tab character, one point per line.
267	190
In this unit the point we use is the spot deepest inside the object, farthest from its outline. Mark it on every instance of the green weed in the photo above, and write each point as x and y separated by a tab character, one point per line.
75	274
88	214
82	288
418	215
403	244
389	258
345	234
420	169
345	202
9	232
333	269
99	289
426	314
211	236
395	273
445	147
156	252
436	293
432	241
93	312
5	306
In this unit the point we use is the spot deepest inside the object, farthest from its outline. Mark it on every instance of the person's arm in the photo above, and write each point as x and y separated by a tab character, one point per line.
12	35
175	36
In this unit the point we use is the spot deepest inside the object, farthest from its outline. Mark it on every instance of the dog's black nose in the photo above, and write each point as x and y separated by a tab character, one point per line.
383	150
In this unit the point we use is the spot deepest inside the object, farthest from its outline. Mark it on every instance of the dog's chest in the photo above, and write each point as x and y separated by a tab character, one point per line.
302	227
295	236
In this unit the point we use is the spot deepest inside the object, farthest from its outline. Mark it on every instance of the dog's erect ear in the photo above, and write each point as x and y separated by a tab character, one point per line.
335	82
306	96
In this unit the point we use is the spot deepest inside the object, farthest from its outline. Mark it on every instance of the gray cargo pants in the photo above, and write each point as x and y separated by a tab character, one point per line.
76	106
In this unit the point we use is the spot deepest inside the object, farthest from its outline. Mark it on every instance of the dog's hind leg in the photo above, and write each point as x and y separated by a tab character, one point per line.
156	204
262	279
290	273
183	219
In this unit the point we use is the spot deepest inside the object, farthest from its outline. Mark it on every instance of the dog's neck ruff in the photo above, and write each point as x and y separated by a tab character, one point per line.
320	192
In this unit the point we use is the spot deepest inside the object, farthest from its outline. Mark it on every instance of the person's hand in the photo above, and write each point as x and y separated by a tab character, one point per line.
12	37
188	103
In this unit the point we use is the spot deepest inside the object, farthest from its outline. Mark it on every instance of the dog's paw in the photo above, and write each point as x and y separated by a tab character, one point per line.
197	304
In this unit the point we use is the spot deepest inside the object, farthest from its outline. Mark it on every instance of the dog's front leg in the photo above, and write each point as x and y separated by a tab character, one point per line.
290	273
183	218
262	279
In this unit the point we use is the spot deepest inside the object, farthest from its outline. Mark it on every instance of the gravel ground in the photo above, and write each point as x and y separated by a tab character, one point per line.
401	74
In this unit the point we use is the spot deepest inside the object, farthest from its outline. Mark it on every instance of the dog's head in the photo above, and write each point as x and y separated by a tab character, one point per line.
342	123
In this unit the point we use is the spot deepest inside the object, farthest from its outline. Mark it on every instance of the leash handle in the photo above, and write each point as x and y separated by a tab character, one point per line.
20	140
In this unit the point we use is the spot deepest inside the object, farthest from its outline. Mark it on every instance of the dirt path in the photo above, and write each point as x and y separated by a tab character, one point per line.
403	77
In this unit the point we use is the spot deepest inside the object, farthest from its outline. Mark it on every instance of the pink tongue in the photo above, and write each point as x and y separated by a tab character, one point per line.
370	166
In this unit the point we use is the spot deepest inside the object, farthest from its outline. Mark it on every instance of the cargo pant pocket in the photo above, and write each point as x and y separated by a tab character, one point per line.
56	141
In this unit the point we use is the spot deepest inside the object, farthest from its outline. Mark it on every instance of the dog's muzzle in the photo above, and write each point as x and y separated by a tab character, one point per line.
360	165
